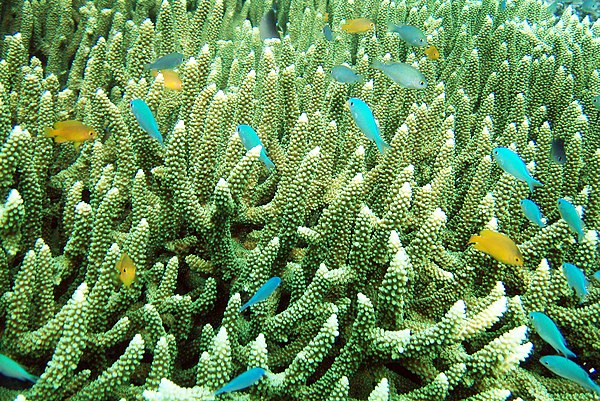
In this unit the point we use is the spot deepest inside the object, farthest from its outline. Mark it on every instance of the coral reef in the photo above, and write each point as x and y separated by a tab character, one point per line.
381	297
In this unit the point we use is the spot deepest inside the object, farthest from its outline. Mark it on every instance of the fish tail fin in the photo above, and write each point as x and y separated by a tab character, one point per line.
245	306
533	183
32	378
568	353
392	27
580	236
49	132
382	146
474	239
268	163
378	65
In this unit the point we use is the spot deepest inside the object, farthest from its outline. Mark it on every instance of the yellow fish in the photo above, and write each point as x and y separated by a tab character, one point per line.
126	270
171	77
498	246
432	52
71	131
359	25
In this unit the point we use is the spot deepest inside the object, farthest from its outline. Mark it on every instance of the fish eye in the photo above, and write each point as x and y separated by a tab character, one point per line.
351	103
595	101
421	83
495	152
371	25
421	40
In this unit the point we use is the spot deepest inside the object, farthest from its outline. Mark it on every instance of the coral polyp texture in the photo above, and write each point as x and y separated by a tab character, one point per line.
381	297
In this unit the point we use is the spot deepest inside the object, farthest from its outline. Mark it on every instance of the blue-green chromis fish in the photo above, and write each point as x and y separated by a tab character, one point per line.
557	151
576	280
328	33
263	292
268	24
411	35
569	370
547	329
365	120
250	140
597	275
246	379
596	102
502	5
532	211
569	214
345	75
510	162
403	74
146	119
167	62
10	368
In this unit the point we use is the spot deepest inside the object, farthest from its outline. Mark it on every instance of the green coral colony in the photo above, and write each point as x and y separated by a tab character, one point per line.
137	217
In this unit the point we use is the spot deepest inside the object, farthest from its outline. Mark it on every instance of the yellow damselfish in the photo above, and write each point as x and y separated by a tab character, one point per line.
71	131
171	79
432	52
498	246
126	270
359	25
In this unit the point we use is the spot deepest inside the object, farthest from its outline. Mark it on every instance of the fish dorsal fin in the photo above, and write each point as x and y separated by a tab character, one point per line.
68	124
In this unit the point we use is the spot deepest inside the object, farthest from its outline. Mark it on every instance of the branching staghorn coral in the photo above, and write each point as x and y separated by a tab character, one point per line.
381	298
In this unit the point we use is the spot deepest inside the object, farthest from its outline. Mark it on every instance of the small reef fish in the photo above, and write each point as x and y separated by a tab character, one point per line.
569	370
345	75
10	368
411	35
126	269
576	280
547	329
268	24
432	52
510	162
326	17
532	211
250	140
263	292
596	102
557	151
71	131
246	379
328	33
167	62
569	214
502	5
172	80
403	74
597	275
146	119
365	120
498	246
359	25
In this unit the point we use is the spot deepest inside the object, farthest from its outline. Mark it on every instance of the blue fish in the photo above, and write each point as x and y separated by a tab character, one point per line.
345	75
409	34
510	162
250	140
547	329
576	279
557	151
146	119
328	33
365	120
502	5
167	62
569	214
532	212
569	370
10	368
246	379
263	292
597	275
